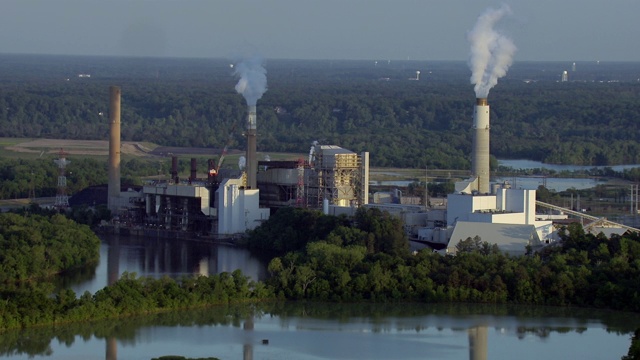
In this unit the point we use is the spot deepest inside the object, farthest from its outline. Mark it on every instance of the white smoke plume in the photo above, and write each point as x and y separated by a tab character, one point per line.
253	79
491	52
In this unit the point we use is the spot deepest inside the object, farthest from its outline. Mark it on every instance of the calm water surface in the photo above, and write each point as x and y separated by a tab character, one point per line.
530	164
340	331
309	331
156	258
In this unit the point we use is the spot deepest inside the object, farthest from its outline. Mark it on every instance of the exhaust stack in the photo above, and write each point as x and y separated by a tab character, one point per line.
252	157
114	148
480	157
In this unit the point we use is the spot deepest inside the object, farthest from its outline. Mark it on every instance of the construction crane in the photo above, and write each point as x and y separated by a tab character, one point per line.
214	171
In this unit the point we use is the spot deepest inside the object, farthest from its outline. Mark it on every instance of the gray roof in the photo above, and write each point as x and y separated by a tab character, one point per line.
328	150
510	238
607	231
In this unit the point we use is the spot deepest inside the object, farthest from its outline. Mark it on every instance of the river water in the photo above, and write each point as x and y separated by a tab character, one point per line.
532	182
149	257
305	331
531	164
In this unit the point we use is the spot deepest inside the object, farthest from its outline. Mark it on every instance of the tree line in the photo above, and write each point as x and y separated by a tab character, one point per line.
402	124
581	270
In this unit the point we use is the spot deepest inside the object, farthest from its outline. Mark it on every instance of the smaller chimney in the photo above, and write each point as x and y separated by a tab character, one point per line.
194	170
174	169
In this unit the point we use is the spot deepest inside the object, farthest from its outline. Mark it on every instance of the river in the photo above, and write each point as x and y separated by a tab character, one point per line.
156	258
531	164
532	182
305	331
339	331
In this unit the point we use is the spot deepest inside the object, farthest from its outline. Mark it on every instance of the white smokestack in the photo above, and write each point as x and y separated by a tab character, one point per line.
252	84
480	158
491	52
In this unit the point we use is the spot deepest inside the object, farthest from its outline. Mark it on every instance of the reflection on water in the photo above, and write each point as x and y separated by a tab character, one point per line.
162	257
149	257
308	331
339	331
478	339
112	349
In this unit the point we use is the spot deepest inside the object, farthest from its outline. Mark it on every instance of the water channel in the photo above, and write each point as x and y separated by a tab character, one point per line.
304	331
523	164
532	182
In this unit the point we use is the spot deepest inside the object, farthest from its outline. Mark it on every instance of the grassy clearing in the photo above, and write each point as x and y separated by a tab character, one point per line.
4	141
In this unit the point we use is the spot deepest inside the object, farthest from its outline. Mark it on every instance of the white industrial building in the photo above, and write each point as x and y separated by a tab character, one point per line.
238	208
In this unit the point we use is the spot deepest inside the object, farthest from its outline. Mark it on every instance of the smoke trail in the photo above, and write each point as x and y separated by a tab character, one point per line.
491	52
253	80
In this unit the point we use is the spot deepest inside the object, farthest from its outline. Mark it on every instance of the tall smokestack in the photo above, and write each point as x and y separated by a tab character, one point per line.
252	84
114	148
480	157
252	156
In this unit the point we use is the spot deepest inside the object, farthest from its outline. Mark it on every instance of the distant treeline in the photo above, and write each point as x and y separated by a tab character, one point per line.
358	106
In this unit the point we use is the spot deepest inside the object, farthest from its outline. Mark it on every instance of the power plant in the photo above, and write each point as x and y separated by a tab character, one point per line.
226	203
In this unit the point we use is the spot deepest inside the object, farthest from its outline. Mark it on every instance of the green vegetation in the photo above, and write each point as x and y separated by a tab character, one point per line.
188	102
634	348
353	264
33	247
328	258
127	297
291	229
36	246
19	177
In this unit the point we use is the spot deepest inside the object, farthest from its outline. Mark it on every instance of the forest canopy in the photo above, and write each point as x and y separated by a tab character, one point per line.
590	120
36	246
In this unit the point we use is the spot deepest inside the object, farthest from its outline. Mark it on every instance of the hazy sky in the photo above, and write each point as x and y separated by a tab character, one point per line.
565	30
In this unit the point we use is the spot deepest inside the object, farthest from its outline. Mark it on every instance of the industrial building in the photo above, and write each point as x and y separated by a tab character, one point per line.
225	204
332	175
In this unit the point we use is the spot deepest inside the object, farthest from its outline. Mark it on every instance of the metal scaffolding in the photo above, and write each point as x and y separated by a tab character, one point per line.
62	200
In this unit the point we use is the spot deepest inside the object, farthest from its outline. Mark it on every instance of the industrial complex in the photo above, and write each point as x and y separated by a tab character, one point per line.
225	204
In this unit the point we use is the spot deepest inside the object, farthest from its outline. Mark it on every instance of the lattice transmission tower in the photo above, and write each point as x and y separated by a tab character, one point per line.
62	200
